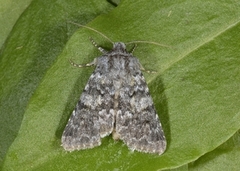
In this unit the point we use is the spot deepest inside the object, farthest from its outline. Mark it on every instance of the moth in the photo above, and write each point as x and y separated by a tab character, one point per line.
115	101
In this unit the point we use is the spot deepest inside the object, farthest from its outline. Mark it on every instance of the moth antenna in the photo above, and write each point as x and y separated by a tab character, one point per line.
148	42
137	41
80	25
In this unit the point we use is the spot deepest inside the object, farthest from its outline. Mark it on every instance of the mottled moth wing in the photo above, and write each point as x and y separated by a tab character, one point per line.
92	118
115	100
137	122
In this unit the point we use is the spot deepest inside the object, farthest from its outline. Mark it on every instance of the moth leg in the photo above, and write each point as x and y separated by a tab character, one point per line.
93	63
96	45
141	67
134	47
147	71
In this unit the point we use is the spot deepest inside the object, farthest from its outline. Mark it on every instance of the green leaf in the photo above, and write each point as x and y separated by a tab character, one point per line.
196	88
225	157
9	13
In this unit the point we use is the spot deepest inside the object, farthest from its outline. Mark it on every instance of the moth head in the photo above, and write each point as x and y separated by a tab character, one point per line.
119	47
